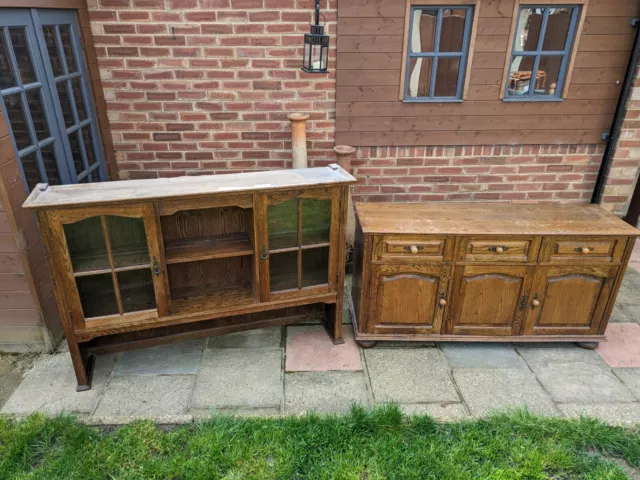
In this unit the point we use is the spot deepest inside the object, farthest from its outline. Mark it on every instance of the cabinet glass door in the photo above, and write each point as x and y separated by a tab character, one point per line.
299	231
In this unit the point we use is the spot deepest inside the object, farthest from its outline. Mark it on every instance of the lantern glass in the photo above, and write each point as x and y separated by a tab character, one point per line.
316	52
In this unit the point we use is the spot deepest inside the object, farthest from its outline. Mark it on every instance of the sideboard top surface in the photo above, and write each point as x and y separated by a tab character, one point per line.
490	218
127	191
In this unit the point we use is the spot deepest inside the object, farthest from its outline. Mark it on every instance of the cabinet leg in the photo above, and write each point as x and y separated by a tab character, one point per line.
333	322
588	345
366	343
82	365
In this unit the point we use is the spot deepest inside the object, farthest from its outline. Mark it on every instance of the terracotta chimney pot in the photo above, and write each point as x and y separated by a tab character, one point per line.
344	154
299	139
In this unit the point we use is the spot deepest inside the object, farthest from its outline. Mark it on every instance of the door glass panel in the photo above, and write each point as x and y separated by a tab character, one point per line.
65	104
49	32
50	165
6	72
315	267
65	36
86	244
283	271
38	115
283	225
75	152
77	96
31	171
136	290
17	119
316	220
97	295
21	50
128	241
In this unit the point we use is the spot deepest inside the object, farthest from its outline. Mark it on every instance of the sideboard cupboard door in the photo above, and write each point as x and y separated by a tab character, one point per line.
298	242
488	300
114	263
569	300
408	298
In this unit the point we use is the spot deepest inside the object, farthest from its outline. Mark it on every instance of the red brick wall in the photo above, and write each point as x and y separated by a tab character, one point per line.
204	86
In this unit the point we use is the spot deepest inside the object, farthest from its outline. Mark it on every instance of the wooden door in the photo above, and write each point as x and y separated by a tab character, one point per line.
569	300
111	263
408	298
488	299
298	235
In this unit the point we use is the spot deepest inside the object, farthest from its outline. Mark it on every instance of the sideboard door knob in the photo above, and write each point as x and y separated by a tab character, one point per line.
585	250
442	302
414	249
535	303
499	249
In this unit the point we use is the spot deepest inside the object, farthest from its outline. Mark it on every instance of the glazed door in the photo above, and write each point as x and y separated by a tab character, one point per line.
569	300
297	242
115	268
488	300
408	299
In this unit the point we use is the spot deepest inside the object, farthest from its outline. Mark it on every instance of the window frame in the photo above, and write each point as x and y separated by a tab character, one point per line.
465	55
576	27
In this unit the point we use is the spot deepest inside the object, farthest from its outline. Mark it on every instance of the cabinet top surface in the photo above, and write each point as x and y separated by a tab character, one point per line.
490	219
127	191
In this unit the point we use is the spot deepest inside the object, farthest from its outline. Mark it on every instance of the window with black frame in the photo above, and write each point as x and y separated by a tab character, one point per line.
540	54
437	53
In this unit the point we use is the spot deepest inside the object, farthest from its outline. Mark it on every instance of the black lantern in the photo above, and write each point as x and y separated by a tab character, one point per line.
316	45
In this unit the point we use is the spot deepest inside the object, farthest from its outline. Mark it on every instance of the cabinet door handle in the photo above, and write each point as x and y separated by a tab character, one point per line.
156	266
442	302
263	252
498	249
535	303
413	249
585	250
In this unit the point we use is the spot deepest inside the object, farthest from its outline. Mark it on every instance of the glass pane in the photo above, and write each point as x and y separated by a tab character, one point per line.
87	248
6	72
520	75
555	35
283	271
50	166
49	32
65	36
452	30
21	50
128	241
16	115
77	95
528	33
136	290
316	220
97	295
84	179
423	31
283	224
95	175
76	154
419	77
447	77
548	75
31	171
65	104
88	146
315	267
38	115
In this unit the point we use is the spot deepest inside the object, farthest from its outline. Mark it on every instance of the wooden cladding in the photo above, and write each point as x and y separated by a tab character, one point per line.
369	70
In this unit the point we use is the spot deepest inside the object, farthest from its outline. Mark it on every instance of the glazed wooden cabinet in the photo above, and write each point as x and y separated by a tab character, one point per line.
489	272
137	263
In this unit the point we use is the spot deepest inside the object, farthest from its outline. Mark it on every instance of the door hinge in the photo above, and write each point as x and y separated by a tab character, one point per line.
635	22
605	136
523	303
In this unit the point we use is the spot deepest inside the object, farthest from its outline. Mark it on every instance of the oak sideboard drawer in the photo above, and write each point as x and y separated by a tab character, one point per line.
498	249
418	247
582	249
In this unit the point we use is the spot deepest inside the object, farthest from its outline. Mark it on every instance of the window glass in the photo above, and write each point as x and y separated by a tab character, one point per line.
452	34
423	34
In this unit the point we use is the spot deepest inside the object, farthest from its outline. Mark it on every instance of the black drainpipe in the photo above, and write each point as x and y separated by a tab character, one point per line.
614	131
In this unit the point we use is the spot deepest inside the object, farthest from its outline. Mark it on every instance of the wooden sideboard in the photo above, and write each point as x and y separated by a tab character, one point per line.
487	272
141	262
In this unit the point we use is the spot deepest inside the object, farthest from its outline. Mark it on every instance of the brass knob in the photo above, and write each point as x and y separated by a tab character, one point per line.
443	302
585	250
413	249
499	249
535	303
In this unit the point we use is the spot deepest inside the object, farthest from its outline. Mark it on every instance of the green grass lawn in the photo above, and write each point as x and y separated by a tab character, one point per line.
363	445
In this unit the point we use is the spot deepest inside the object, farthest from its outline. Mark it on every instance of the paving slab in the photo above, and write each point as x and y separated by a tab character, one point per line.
50	387
614	414
623	313
239	379
173	359
477	355
486	390
622	348
439	411
10	377
309	348
324	392
575	375
628	294
260	338
631	378
409	375
154	397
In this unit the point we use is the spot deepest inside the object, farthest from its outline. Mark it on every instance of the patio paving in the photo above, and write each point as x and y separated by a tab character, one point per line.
296	369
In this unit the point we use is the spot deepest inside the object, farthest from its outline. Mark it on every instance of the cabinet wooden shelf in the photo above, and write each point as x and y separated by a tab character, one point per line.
135	262
487	272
